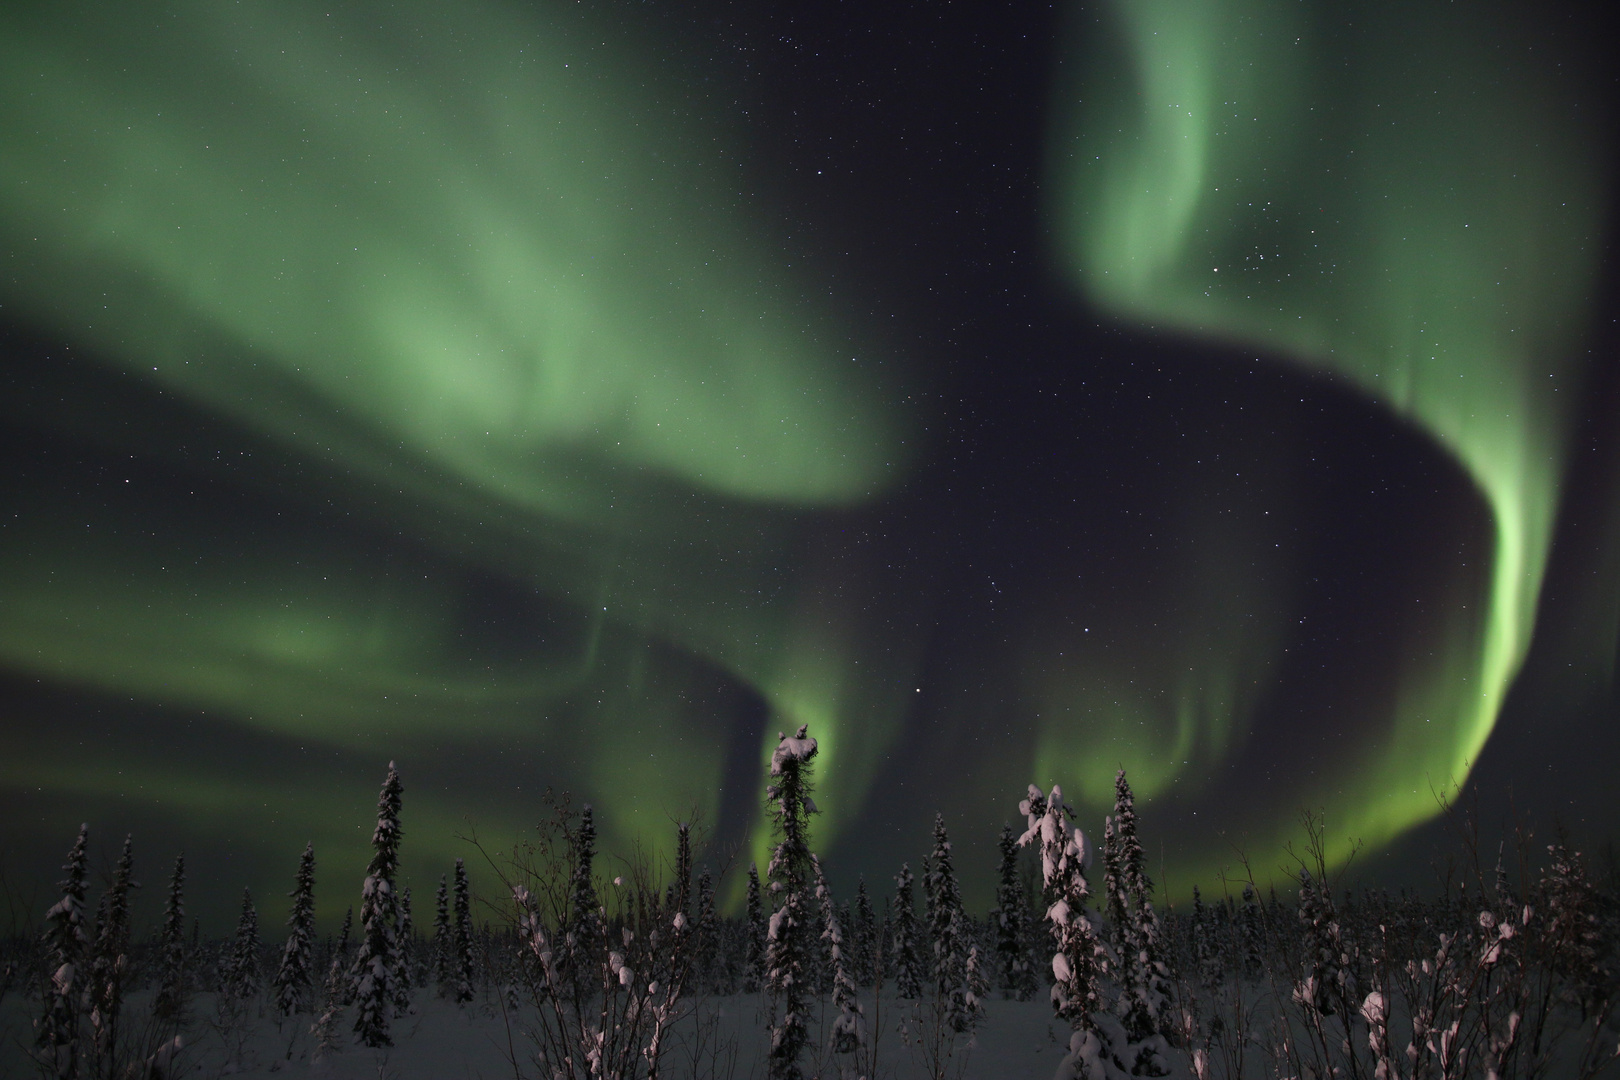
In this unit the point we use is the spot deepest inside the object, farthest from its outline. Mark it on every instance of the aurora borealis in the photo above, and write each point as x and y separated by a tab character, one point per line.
575	395
1433	223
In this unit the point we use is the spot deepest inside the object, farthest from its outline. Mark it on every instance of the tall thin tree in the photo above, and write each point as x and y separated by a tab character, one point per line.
404	955
374	963
754	920
948	932
908	970
865	936
109	960
242	969
1079	959
295	976
169	1004
444	945
849	1026
1143	976
464	930
1011	919
57	1032
789	936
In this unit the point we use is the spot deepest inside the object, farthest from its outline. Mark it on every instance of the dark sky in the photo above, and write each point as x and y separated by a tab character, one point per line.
574	399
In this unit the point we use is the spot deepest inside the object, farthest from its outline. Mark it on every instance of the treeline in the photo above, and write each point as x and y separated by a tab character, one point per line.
1506	973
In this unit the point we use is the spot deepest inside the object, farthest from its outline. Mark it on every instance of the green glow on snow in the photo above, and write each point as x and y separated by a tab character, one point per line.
1406	196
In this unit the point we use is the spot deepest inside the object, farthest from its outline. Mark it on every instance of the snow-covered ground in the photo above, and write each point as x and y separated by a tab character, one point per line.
724	1039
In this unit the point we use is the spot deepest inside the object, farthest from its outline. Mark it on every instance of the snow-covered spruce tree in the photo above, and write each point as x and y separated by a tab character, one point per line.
1206	960
340	949
295	975
790	936
242	966
1328	986
56	1032
1080	959
583	930
925	937
908	969
976	984
333	992
846	923
374	963
1010	920
169	1003
109	962
404	955
1138	938
864	935
849	1027
949	934
1252	934
463	960
754	917
1116	898
444	946
705	942
583	904
681	887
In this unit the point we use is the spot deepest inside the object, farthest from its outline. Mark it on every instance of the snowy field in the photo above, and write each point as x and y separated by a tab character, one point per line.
723	1040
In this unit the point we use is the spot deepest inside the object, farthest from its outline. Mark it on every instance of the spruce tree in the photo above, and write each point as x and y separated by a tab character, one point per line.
444	946
1011	919
57	1030
583	904
789	937
1205	958
948	932
464	929
1329	980
242	968
404	955
908	973
373	973
846	924
340	951
864	953
584	928
334	993
682	885
754	917
849	1026
827	914
1252	932
169	1004
705	937
1080	957
109	959
975	988
295	975
1137	935
1120	922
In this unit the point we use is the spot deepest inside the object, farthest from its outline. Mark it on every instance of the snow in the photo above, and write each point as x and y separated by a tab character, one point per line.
441	1041
799	747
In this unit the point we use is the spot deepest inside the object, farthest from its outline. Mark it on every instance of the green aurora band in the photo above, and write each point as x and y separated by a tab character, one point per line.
464	256
463	274
1406	196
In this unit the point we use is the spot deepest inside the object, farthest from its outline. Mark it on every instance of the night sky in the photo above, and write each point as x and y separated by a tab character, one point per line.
574	396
